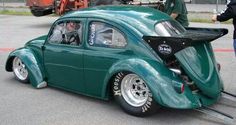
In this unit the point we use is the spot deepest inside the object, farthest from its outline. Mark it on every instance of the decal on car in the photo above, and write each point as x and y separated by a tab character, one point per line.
92	34
164	49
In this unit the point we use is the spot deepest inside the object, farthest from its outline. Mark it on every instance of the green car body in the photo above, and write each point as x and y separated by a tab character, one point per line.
89	70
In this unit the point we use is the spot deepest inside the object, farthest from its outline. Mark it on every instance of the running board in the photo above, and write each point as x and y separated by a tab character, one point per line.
229	96
228	119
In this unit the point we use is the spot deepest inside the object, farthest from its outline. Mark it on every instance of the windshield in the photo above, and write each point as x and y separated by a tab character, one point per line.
169	28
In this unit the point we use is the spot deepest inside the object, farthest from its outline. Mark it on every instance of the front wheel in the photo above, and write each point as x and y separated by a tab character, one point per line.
133	94
20	71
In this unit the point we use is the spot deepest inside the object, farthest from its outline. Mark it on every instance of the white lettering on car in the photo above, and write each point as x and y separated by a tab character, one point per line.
93	34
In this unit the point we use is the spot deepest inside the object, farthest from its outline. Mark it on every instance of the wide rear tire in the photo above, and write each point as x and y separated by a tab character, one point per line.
133	94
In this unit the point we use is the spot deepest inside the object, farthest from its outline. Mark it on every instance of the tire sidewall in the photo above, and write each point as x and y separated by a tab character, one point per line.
148	108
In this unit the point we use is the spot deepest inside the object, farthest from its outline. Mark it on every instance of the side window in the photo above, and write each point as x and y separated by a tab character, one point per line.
68	32
104	35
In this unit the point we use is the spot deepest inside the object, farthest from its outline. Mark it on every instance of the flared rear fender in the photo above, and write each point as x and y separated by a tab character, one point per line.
160	80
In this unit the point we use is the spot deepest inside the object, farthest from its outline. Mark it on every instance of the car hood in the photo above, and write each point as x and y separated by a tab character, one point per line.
195	55
37	41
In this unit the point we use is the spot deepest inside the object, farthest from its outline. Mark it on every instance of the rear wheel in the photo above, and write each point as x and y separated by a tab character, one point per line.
20	71
133	94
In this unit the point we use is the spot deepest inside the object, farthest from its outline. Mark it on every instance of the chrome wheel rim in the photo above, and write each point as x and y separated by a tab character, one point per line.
19	69
134	90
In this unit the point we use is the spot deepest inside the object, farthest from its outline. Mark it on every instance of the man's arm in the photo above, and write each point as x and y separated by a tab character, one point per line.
226	15
178	8
174	15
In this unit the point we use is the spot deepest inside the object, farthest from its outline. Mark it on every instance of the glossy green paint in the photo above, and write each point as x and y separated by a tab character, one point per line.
33	67
65	70
31	55
201	67
88	70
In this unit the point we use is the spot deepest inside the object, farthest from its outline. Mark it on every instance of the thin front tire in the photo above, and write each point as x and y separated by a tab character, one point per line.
20	71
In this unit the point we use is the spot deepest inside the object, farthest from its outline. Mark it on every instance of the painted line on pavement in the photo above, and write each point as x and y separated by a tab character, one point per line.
223	50
6	49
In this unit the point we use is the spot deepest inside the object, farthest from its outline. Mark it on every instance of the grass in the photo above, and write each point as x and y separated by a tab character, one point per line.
207	21
12	12
203	17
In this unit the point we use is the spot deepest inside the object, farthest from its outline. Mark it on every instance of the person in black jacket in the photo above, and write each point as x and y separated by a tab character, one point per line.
228	13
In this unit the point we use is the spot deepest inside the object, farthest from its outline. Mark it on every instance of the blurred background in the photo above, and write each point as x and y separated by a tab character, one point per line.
189	1
199	10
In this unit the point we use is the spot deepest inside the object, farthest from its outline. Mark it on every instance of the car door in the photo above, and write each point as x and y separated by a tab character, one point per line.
105	45
63	55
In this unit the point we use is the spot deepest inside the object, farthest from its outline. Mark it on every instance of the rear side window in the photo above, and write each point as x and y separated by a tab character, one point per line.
105	35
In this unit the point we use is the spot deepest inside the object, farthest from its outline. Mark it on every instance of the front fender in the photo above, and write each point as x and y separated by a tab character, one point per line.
35	69
160	80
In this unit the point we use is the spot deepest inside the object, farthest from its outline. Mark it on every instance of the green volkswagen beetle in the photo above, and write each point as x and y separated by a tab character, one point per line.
139	56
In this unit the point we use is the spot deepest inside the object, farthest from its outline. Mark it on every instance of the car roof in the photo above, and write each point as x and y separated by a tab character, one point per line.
142	19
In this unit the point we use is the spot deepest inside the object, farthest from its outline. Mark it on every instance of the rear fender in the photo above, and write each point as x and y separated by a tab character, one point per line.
35	69
160	80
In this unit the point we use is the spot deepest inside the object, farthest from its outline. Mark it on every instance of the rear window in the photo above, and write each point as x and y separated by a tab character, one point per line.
169	28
